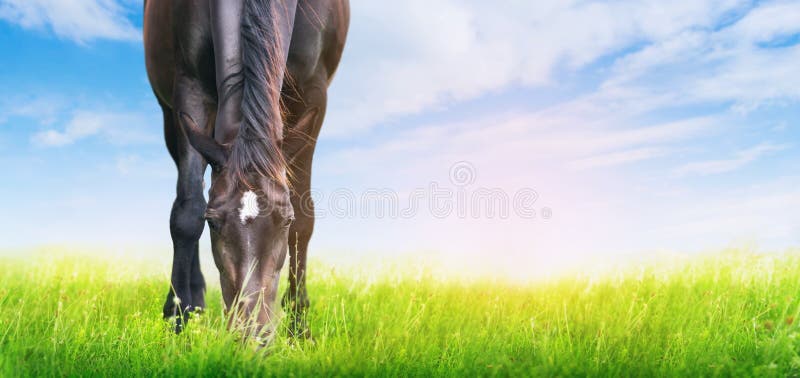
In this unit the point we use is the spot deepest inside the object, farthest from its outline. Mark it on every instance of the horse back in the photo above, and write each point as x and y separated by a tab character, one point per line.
177	39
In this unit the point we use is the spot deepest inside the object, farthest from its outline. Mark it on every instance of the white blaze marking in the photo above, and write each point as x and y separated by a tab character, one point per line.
249	208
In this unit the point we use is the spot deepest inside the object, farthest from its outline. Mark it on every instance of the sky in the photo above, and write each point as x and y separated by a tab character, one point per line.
519	133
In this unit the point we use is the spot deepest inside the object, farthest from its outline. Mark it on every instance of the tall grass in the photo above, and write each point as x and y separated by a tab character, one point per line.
727	314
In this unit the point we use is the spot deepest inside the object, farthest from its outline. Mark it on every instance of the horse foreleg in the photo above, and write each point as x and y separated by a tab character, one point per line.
295	299
186	219
300	142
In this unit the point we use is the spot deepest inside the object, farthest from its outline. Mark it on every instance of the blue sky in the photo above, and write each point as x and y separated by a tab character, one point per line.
642	126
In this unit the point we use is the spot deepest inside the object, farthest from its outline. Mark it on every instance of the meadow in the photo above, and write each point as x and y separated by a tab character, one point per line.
729	313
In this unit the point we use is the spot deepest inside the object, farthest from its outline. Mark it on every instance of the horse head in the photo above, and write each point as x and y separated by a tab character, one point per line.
249	217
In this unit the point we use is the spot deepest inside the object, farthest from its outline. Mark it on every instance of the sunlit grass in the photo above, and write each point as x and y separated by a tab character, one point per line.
732	313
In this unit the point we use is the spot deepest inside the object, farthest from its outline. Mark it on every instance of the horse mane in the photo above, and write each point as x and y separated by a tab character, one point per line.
257	147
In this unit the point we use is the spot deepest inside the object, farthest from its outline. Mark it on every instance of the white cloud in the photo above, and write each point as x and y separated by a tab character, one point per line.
418	55
755	79
119	128
77	20
573	135
764	23
742	158
618	158
732	66
44	109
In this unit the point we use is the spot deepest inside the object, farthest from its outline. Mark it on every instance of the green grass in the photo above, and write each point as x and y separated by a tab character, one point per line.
727	314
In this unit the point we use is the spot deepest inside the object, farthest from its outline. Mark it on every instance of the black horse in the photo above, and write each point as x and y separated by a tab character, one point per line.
243	87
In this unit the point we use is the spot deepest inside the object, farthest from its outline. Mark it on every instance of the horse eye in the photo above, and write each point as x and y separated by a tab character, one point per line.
289	222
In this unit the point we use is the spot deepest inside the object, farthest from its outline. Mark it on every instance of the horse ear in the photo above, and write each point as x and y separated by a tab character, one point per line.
215	153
